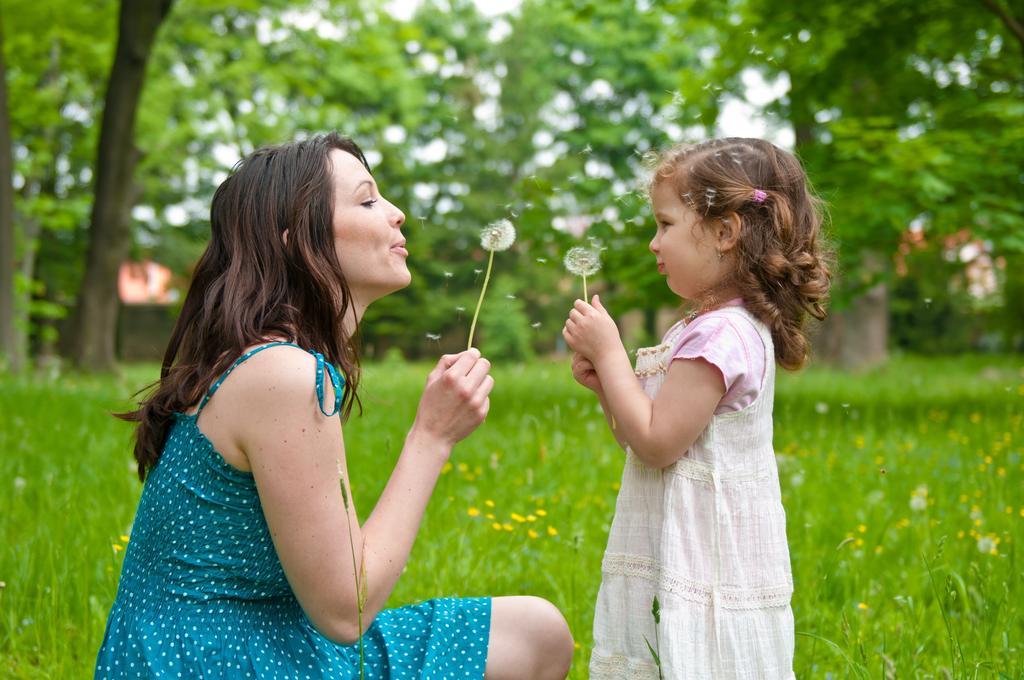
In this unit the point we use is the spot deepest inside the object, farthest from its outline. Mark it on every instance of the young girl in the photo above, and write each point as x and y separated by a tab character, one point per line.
699	523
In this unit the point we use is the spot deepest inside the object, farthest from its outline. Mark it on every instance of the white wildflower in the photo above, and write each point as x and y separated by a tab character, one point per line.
986	544
919	498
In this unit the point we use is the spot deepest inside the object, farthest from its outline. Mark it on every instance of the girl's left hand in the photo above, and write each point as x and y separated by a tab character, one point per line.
591	331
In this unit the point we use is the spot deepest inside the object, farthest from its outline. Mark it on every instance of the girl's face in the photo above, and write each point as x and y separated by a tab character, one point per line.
687	255
367	232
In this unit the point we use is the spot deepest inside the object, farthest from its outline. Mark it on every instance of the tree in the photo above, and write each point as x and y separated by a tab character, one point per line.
925	130
11	346
95	321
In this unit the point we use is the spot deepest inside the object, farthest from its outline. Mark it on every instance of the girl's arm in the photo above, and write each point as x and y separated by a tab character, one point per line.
296	455
585	374
659	431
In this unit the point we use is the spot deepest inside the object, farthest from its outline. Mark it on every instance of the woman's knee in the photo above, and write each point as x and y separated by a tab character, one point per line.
545	644
557	641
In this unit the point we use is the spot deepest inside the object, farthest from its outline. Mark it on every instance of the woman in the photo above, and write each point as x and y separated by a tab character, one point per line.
246	557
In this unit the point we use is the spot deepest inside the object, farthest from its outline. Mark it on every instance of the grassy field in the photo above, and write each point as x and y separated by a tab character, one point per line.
903	489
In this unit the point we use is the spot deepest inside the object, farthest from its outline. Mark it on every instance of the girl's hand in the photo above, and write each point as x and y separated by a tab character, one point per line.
585	373
456	398
591	331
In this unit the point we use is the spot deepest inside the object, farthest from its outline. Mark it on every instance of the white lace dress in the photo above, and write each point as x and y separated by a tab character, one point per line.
707	535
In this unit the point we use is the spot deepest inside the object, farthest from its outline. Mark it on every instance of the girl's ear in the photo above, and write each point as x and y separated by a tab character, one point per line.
728	231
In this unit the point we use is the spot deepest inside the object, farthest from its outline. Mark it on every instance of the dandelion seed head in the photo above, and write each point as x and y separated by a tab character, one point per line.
498	236
583	261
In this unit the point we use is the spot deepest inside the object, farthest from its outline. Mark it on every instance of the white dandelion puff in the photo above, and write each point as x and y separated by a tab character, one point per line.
498	236
495	237
583	261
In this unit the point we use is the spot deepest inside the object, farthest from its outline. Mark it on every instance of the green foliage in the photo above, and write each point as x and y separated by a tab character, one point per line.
854	451
545	116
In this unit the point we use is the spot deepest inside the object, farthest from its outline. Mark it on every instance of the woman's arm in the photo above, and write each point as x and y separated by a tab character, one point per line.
296	455
659	431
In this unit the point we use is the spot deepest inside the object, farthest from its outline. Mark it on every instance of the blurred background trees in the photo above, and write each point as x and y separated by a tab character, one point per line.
907	115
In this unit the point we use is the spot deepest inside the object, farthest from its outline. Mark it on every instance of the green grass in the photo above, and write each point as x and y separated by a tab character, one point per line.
882	590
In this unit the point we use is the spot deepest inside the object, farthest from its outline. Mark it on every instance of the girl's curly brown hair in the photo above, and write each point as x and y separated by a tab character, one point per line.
782	263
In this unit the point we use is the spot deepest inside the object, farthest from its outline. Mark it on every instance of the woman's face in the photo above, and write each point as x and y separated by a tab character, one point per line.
367	232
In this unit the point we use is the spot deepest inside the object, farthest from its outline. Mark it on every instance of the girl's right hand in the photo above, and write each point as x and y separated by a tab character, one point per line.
584	372
456	398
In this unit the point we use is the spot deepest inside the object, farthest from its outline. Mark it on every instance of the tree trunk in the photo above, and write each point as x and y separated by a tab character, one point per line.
857	337
94	326
12	344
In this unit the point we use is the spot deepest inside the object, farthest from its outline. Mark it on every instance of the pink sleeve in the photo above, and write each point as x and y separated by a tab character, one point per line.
733	346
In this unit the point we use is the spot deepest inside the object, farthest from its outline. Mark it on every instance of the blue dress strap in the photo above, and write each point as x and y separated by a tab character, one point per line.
337	381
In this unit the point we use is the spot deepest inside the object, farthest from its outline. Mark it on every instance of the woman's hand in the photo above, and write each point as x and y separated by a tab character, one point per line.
591	332
456	398
584	372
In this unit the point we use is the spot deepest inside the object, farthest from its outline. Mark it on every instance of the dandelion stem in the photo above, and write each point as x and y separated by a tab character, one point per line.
586	298
480	302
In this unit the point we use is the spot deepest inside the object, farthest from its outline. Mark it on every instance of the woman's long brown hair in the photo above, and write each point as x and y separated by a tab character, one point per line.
253	283
782	260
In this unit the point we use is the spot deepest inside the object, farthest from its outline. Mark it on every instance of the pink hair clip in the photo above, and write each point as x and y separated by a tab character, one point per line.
759	196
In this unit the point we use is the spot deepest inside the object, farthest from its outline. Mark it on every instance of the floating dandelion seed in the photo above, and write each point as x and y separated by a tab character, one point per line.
535	325
448	275
510	296
495	237
433	337
542	260
583	261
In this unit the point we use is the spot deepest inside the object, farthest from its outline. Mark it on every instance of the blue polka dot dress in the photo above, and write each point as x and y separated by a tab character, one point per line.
203	595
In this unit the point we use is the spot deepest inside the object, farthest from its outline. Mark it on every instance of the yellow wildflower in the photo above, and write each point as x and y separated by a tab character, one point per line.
473	512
